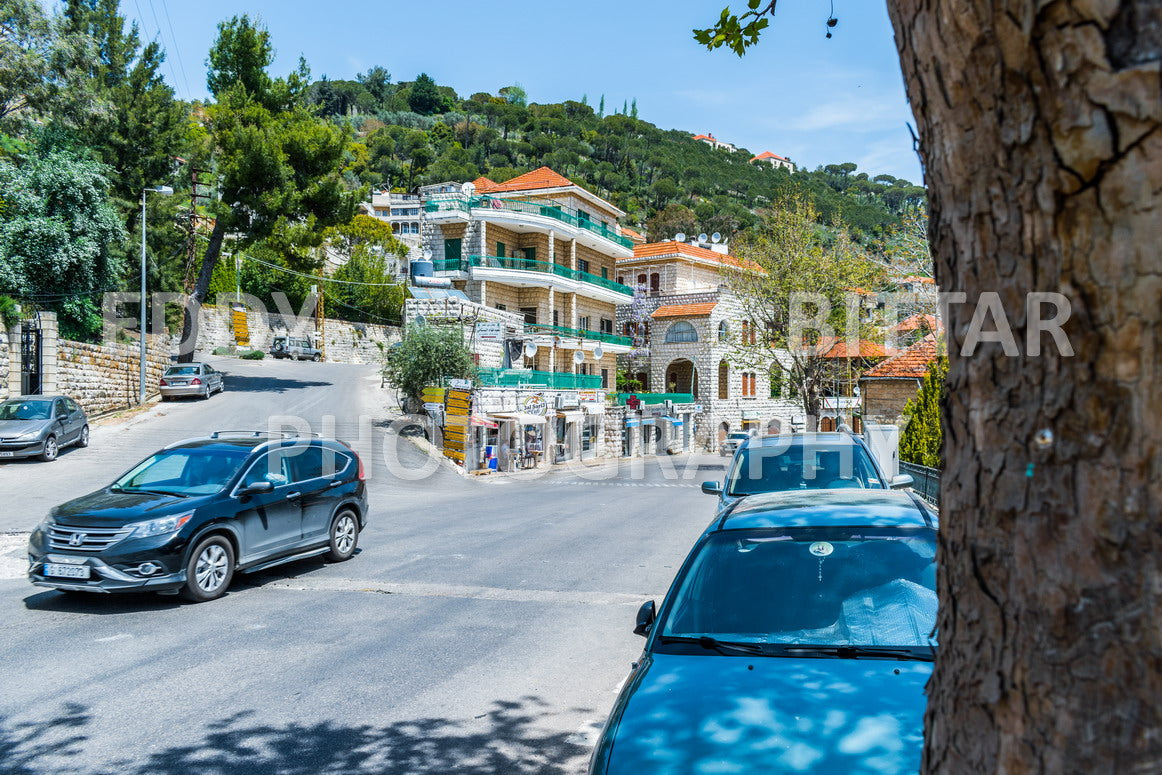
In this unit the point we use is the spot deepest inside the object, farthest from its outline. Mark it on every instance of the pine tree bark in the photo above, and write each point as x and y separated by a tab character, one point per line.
1039	130
201	288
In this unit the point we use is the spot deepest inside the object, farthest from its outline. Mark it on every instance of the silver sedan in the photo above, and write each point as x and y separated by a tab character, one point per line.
191	379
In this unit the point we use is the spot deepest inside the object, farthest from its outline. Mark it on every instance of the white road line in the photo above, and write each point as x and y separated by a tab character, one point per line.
111	638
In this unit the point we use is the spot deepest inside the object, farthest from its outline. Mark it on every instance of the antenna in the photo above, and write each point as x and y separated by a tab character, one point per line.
716	238
680	237
702	237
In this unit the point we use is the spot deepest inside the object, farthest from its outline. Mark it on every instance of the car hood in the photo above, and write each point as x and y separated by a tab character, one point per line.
106	508
726	714
9	428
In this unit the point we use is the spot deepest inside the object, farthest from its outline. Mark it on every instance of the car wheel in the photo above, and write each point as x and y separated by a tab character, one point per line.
317	357
209	570
51	450
344	537
83	439
206	393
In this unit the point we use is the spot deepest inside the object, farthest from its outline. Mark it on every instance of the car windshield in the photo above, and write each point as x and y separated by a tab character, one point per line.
26	410
181	371
184	471
867	587
801	465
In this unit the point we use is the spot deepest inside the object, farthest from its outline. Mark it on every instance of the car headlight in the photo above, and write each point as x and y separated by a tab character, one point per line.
162	526
28	435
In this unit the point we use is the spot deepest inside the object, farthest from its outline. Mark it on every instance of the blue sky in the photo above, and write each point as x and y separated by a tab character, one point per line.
798	94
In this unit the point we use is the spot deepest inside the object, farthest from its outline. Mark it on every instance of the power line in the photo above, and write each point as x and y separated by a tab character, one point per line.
176	50
317	277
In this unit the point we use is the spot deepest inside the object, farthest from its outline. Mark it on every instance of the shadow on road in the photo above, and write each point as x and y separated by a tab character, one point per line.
507	740
251	384
99	604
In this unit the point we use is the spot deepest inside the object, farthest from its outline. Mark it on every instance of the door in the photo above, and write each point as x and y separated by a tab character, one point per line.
30	359
318	473
76	419
67	427
271	522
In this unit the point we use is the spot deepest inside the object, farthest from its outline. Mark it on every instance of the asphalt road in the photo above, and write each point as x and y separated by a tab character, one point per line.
484	627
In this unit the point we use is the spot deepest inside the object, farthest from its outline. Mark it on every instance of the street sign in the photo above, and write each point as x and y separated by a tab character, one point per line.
460	384
490	331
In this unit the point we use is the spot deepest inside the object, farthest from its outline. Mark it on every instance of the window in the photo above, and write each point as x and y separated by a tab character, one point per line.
723	380
529	253
556	317
530	314
641	280
605	378
749	383
681	331
273	468
583	322
314	462
723	331
502	307
582	265
500	248
452	249
655	283
604	273
621	279
583	216
606	326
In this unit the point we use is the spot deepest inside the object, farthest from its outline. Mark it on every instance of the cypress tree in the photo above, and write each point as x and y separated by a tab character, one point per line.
922	438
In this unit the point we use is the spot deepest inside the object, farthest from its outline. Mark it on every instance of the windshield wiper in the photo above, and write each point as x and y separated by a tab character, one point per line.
713	644
152	492
855	652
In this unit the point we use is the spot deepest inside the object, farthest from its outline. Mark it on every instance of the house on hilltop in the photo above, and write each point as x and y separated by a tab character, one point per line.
775	160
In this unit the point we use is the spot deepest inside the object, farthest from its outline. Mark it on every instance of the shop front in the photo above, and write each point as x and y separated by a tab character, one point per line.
521	440
567	442
591	428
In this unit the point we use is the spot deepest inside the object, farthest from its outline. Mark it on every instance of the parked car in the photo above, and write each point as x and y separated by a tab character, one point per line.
731	443
189	516
191	379
795	638
801	461
298	348
39	426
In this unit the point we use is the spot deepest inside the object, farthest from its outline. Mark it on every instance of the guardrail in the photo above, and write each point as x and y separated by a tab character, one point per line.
656	398
556	212
579	333
925	481
554	380
531	265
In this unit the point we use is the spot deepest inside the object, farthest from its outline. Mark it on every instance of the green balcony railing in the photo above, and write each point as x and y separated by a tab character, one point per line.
554	380
556	212
548	267
447	265
580	333
656	398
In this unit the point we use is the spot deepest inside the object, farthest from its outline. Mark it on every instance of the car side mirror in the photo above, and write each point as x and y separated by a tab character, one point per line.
645	618
257	488
712	488
899	481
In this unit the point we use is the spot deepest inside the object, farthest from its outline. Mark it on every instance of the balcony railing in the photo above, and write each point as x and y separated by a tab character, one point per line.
530	265
554	380
580	333
656	398
556	212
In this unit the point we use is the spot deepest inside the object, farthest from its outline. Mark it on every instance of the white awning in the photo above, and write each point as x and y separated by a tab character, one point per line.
520	419
592	407
572	416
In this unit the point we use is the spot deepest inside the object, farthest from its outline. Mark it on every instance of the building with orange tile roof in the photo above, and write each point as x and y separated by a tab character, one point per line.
543	247
775	160
888	387
714	142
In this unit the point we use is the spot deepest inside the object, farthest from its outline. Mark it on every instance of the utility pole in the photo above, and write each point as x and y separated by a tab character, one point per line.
320	319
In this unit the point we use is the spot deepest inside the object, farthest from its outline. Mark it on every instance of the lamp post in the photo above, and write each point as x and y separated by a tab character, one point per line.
164	191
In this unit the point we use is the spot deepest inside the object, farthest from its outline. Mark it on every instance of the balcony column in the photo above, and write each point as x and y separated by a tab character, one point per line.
552	247
573	254
552	307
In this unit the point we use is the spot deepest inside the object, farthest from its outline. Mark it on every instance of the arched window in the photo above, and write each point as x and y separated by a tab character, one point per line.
723	331
723	380
681	332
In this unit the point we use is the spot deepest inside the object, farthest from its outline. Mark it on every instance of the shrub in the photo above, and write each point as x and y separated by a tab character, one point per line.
923	436
223	351
253	355
428	355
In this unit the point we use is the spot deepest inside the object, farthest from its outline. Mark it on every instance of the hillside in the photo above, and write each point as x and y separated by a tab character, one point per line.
412	133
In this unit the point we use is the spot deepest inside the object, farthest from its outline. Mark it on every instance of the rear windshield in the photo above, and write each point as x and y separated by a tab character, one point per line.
801	466
181	371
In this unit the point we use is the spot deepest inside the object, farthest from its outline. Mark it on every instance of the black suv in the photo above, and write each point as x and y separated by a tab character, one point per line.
189	516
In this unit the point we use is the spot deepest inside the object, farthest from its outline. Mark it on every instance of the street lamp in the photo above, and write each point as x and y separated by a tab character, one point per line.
164	191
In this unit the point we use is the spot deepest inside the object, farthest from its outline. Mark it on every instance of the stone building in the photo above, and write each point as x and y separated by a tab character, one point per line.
540	246
774	160
887	387
692	325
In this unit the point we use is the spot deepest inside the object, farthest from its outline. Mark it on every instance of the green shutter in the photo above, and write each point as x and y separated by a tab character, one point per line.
452	249
530	253
500	250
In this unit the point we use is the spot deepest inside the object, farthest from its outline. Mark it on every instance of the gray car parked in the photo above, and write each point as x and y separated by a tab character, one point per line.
191	379
39	426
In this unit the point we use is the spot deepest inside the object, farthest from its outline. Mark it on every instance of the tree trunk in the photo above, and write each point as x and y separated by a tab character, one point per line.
1039	128
201	288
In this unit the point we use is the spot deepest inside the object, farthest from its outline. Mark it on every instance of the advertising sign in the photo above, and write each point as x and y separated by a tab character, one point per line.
534	404
491	331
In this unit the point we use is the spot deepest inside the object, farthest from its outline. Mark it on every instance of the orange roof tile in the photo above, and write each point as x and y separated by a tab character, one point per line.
685	310
703	137
769	155
633	235
912	363
918	279
661	249
482	183
542	177
929	322
836	347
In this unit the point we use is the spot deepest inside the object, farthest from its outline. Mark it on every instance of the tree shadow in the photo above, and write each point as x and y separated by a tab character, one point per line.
238	383
510	739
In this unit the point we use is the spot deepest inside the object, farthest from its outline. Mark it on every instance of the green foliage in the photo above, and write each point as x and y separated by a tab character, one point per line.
427	356
423	97
364	287
923	436
8	312
57	236
253	355
224	351
737	32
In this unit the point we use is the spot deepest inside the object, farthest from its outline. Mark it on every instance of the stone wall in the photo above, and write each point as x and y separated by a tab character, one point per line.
104	377
4	365
467	314
345	342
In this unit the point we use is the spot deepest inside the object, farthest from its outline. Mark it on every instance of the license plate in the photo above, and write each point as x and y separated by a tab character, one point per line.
7	454
67	571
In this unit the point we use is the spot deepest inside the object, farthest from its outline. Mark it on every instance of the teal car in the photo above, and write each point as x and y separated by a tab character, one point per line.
796	638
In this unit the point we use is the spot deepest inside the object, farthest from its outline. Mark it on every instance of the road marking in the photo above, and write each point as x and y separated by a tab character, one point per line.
111	638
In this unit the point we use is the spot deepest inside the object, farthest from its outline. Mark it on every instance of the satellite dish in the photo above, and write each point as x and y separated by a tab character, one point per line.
716	237
468	189
427	254
530	349
597	353
680	237
419	321
702	237
578	357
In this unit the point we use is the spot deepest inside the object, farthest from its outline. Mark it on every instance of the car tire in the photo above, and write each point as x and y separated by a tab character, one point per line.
51	450
209	569
344	537
317	357
83	438
206	393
